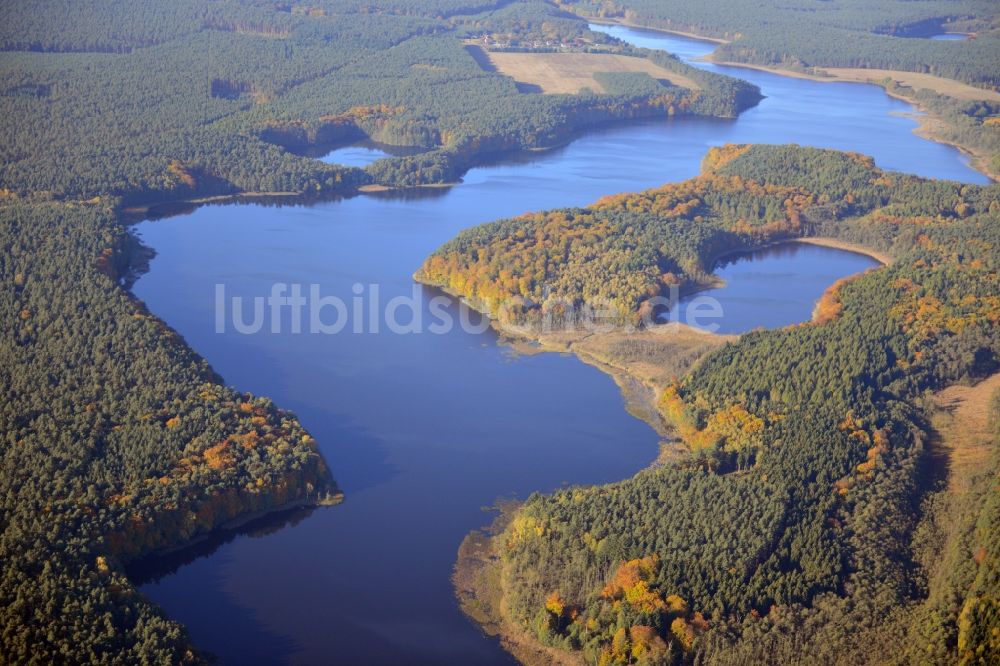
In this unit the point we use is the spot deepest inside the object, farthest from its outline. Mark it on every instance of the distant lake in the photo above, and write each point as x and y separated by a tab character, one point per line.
355	156
423	430
950	37
364	153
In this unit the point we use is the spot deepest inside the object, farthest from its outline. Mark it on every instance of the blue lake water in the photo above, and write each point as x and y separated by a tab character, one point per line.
423	430
845	116
360	155
769	288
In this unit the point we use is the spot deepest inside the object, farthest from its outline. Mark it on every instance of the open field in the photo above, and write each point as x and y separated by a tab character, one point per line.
572	72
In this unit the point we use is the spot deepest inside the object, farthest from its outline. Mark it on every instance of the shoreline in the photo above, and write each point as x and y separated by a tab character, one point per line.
139	212
476	582
824	241
589	346
240	521
620	374
638	386
853	75
637	26
928	127
883	258
136	213
927	123
639	390
130	215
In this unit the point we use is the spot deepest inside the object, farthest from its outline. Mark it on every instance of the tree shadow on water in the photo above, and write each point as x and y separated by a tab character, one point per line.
237	634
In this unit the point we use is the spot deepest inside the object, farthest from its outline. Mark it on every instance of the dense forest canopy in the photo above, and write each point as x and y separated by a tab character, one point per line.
794	514
148	100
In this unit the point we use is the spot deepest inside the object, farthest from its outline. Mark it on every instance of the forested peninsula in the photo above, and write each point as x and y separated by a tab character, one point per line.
119	441
811	516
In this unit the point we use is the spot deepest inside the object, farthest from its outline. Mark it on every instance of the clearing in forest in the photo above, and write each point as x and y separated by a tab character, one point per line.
572	72
964	429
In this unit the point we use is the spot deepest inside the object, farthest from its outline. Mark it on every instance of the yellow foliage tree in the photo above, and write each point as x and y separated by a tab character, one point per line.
555	604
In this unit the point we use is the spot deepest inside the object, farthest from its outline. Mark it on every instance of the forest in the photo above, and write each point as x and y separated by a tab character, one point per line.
791	530
97	108
885	34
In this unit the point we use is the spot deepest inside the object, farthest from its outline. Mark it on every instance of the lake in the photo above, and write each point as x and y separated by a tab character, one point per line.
362	153
356	156
422	430
770	288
